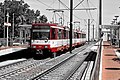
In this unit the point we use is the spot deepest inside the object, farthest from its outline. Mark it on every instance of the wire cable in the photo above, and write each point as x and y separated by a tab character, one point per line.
44	3
89	10
78	4
65	7
63	4
53	3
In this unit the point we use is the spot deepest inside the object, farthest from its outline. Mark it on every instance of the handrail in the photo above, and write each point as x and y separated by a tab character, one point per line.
96	68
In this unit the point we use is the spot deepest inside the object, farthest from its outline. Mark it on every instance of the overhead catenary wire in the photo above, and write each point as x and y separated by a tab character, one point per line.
97	10
73	8
89	14
81	9
91	3
53	3
48	5
64	5
89	10
44	3
78	4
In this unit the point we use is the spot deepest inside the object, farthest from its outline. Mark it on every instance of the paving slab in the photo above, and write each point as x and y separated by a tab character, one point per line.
110	63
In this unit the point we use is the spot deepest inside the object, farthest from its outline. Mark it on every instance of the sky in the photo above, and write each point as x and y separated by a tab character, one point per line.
110	8
82	16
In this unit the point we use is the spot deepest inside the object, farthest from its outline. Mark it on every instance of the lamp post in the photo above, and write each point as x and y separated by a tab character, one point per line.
7	26
116	18
117	32
112	22
115	21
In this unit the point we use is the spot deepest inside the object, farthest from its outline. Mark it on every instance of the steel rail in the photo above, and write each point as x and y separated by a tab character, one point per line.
19	69
16	71
56	66
74	71
23	68
11	64
52	68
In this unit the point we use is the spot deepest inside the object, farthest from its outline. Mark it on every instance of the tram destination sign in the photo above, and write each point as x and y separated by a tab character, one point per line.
41	27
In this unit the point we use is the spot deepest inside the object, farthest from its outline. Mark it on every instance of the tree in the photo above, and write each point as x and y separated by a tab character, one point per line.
22	13
43	19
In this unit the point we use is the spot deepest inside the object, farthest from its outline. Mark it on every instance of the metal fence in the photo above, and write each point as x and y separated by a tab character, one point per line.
3	41
95	73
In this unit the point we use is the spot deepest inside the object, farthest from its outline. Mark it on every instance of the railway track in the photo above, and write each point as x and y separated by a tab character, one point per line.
31	69
65	69
15	68
78	73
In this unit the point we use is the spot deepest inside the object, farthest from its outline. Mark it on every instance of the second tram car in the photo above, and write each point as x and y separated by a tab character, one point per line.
53	38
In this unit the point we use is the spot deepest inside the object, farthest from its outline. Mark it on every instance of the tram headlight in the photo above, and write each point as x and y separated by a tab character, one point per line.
34	46
46	46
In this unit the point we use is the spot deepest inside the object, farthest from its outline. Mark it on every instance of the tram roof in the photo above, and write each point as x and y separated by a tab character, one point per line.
43	24
52	25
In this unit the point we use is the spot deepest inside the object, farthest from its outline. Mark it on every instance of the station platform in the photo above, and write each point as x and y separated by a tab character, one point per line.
110	62
10	49
21	46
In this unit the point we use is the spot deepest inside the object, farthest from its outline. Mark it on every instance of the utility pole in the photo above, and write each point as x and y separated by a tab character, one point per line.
88	30
71	18
13	29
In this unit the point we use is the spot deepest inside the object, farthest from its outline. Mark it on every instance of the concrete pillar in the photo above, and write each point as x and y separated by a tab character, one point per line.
21	36
25	35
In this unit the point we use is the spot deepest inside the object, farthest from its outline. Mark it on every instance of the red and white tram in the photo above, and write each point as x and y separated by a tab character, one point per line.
53	38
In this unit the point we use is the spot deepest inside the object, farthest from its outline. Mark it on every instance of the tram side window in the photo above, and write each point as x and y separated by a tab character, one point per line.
65	35
68	35
53	33
83	36
72	34
59	34
80	35
77	35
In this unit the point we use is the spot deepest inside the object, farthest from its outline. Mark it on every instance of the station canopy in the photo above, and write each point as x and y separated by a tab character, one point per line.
107	28
110	26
